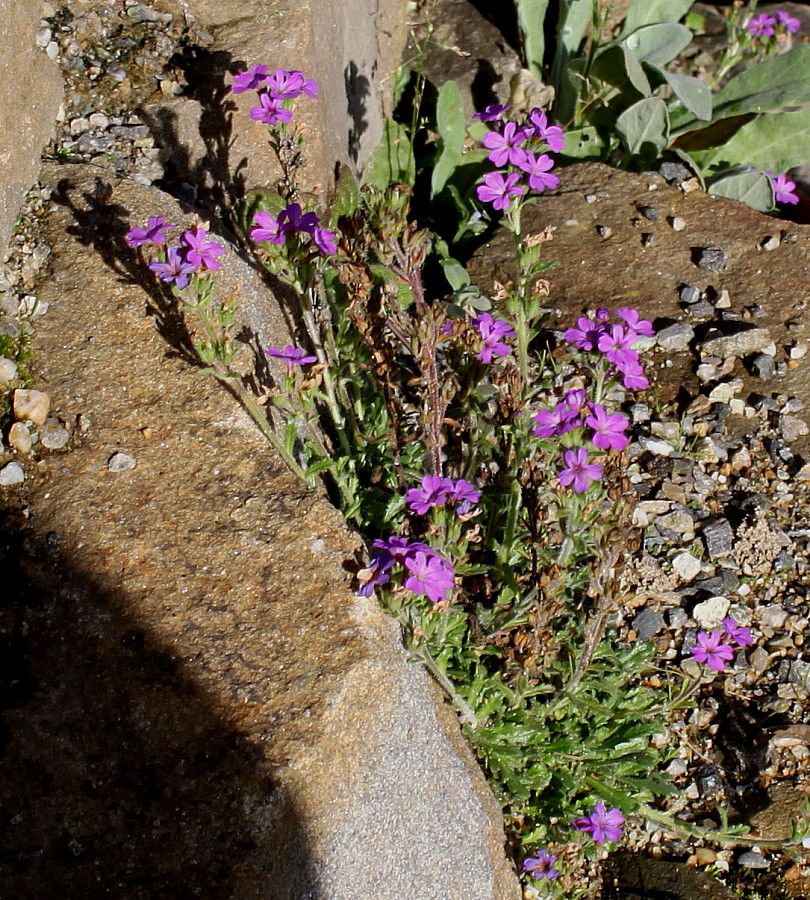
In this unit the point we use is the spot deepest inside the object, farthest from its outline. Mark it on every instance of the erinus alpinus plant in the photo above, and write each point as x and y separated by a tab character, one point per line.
479	451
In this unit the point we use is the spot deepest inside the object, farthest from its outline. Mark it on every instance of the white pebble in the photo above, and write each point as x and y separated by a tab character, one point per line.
31	405
19	437
120	462
12	473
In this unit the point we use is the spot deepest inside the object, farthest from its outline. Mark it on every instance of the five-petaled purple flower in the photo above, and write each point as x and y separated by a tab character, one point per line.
268	228
538	169
249	81
738	634
202	253
551	134
761	26
175	270
498	189
430	575
783	189
492	113
787	21
579	472
152	234
292	356
271	111
433	492
541	865
712	651
603	825
505	145
492	332
608	428
325	241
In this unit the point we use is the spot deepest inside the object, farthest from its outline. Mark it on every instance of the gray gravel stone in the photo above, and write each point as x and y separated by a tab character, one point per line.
648	623
12	473
710	259
120	462
739	342
792	428
675	337
718	537
761	365
689	293
753	860
54	435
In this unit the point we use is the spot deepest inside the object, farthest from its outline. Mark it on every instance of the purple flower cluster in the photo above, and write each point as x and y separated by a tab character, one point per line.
274	91
541	865
492	332
428	574
293	220
765	25
602	824
196	254
518	149
711	648
436	491
615	342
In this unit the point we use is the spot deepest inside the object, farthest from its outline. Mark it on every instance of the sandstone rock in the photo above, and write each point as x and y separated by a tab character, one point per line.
26	116
31	405
214	710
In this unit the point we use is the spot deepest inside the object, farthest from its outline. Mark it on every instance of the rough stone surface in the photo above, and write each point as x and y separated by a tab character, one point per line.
263	734
26	116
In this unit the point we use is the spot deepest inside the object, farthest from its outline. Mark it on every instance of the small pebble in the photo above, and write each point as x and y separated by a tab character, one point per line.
769	243
676	223
686	567
120	462
792	428
753	860
710	613
761	365
8	371
718	536
31	405
19	437
709	258
12	473
603	231
689	293
675	337
54	435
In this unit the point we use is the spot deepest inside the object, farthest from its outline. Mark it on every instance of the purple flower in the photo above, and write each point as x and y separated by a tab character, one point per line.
431	576
378	570
505	145
309	86
499	190
551	134
537	168
634	323
541	865
551	423
492	113
608	428
738	634
711	651
463	493
615	344
249	81
325	241
152	234
603	825
293	218
271	111
783	189
761	26
284	85
401	548
633	377
269	229
578	471
432	493
175	270
292	356
791	23
202	254
492	331
585	335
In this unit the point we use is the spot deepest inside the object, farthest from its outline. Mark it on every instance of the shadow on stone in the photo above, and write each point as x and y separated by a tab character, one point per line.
119	775
358	92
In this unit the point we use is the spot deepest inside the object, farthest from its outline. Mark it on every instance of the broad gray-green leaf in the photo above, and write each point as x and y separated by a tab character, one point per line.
583	143
619	66
650	12
393	161
658	44
752	188
693	93
347	196
452	126
644	123
455	274
774	84
575	16
568	89
531	19
768	142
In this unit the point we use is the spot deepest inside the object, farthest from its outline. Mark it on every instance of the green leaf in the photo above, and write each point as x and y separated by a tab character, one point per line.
753	188
347	196
774	84
619	66
531	16
452	126
455	274
393	161
569	87
259	200
644	126
650	12
575	16
658	44
692	93
767	142
584	143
